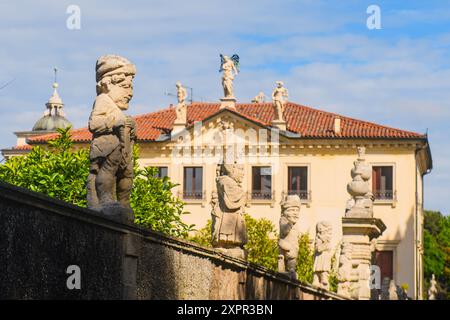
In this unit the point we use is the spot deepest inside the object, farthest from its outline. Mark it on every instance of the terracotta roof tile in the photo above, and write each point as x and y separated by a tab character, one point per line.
306	121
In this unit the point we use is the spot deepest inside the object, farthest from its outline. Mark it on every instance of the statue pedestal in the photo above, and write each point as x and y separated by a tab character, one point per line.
178	127
359	232
280	124
228	103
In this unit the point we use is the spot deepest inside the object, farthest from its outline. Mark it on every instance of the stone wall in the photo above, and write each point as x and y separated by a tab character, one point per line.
40	237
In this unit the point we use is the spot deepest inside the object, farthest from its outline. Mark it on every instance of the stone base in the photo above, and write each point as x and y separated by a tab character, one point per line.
280	124
359	232
116	211
228	103
235	252
178	127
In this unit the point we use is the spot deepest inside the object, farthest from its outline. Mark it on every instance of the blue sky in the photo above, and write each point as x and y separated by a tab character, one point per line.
323	51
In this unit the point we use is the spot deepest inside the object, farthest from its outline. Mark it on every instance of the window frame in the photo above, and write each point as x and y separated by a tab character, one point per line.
201	198
393	201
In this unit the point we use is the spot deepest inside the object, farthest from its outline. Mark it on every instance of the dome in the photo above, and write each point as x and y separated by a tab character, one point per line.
53	117
51	123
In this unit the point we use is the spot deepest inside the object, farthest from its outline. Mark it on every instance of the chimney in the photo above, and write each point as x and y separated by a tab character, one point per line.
337	125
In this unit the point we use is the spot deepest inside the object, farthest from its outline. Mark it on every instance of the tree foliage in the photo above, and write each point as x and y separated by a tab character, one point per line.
61	173
262	246
437	251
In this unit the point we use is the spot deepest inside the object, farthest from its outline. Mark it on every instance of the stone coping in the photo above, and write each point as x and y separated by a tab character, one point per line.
41	201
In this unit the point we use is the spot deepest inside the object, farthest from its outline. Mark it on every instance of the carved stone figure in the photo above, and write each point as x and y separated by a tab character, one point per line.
259	98
111	167
180	109
231	232
432	292
229	69
393	291
288	242
345	271
279	97
216	216
322	255
359	189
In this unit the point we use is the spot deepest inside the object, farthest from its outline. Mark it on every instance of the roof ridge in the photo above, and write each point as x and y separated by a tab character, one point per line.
354	119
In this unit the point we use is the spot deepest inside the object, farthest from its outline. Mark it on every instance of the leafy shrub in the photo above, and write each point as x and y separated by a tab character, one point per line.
62	173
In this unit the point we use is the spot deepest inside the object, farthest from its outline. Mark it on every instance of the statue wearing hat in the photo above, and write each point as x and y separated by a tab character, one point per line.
229	230
288	242
111	165
279	96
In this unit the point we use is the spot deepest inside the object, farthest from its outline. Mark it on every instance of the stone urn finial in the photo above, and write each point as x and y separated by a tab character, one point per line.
359	188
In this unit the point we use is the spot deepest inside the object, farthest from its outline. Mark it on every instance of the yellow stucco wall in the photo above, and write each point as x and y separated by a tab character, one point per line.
329	164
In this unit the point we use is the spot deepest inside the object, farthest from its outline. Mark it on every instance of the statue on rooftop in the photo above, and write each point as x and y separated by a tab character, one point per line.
279	97
288	242
230	68
180	109
111	165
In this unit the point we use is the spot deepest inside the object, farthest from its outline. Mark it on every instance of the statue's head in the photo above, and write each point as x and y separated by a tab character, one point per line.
323	227
114	75
279	84
226	58
290	208
234	171
178	84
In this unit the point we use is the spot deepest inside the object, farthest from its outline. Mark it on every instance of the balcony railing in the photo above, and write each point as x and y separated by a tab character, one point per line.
303	194
384	194
193	195
262	195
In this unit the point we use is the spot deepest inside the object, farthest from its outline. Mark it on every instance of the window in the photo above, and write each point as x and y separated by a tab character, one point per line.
162	172
298	181
261	183
193	183
385	260
382	182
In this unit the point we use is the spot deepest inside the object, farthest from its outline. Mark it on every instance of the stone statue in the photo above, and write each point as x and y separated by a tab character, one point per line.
230	232
345	271
432	292
180	110
216	216
288	242
393	291
229	67
111	165
359	189
259	98
322	255
279	97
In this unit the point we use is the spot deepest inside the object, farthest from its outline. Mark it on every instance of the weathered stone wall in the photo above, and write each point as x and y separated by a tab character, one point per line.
40	237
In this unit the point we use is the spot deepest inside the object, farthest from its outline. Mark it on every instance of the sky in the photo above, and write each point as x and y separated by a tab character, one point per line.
324	52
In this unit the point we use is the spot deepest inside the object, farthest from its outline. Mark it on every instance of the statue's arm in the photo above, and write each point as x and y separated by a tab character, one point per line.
102	120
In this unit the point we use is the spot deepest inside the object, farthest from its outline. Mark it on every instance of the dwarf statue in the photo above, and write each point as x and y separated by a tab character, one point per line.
322	255
288	242
111	165
230	232
345	270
